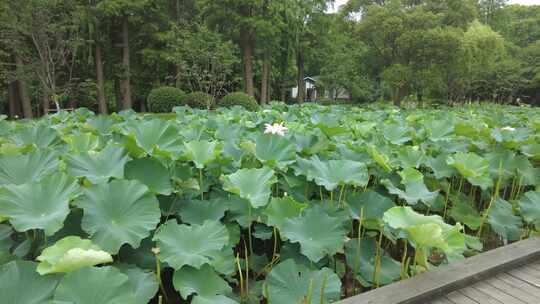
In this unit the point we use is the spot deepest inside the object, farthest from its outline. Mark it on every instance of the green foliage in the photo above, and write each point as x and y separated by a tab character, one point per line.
239	99
198	100
69	254
289	281
209	195
20	276
164	99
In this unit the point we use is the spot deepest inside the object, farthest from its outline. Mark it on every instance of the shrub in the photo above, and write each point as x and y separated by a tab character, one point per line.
199	100
163	99
239	99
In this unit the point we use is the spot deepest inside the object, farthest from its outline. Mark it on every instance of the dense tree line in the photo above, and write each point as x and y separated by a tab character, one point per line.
108	54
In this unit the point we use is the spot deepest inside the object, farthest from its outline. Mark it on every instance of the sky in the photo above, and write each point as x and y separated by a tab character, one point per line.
524	2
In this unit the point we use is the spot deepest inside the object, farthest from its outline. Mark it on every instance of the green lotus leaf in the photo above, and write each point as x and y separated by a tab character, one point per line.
201	152
82	142
21	284
150	172
142	256
5	238
119	212
281	209
440	168
144	283
426	231
25	168
193	245
204	282
38	135
318	233
527	173
411	157
212	300
100	124
224	260
415	188
38	205
92	285
69	254
253	185
275	151
396	134
463	211
426	235
196	212
440	129
381	159
532	151
370	204
262	232
289	282
361	258
473	167
98	167
529	206
333	173
157	137
503	221
241	211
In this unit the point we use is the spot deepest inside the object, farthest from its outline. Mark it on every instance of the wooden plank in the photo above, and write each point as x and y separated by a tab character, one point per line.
479	296
497	294
442	301
525	276
535	266
459	298
519	284
444	279
513	290
530	270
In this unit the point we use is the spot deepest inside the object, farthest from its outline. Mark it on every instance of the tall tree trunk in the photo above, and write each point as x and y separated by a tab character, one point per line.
23	92
45	100
125	85
12	99
117	94
102	102
265	79
301	96
246	47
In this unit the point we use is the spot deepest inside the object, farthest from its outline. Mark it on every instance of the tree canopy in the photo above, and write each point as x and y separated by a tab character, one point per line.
107	55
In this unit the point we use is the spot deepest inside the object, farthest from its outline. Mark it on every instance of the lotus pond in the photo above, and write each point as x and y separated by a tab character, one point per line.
204	207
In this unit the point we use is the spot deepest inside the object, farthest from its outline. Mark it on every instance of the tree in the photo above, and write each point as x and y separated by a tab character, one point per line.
124	10
205	59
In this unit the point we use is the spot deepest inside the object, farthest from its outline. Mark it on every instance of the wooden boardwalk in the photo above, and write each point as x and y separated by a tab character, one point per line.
507	275
517	286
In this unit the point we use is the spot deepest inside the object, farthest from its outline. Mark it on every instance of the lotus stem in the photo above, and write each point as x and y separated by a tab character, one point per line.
247	269
341	195
358	246
404	260
460	184
240	274
378	261
201	184
323	287
274	251
249	232
446	200
310	292
158	275
493	198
